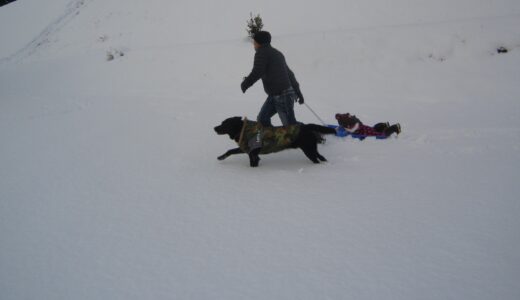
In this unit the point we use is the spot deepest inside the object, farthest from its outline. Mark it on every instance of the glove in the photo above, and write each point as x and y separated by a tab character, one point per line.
243	86
300	97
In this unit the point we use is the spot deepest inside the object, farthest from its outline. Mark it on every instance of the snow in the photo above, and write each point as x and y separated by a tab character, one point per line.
110	187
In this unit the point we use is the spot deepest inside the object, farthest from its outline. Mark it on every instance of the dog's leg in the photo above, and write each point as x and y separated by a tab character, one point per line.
311	153
320	157
254	158
312	156
230	152
309	146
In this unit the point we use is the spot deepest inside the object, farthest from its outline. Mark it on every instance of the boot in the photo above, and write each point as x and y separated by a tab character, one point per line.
396	128
381	127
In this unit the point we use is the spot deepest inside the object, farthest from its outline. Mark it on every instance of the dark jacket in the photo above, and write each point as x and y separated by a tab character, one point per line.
271	67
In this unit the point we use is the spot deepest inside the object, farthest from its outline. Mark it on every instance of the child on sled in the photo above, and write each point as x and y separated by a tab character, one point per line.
354	126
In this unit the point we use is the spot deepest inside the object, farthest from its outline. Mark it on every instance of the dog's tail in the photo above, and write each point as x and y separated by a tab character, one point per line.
321	129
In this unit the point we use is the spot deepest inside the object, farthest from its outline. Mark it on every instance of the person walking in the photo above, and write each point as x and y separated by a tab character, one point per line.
279	82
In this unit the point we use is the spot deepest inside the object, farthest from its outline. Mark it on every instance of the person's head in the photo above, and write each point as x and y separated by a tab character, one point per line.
347	120
261	38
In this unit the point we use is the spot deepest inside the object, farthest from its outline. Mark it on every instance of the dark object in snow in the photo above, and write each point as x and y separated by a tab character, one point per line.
4	2
254	139
111	55
351	125
501	50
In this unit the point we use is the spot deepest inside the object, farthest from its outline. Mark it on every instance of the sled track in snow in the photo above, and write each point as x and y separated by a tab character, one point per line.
74	7
72	10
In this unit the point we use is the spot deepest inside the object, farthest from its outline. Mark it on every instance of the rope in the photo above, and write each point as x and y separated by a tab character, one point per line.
315	114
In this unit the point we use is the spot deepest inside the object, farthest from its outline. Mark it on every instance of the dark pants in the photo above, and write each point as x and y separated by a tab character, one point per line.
282	104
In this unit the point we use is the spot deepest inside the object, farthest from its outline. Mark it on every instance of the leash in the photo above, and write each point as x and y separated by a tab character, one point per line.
315	114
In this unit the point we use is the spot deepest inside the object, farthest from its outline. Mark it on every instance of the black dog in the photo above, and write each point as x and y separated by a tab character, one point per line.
254	139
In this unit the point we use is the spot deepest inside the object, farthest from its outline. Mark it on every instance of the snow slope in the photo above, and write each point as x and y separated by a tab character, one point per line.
110	187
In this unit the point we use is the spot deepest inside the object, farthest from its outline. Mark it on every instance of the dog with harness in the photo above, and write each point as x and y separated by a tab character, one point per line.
254	139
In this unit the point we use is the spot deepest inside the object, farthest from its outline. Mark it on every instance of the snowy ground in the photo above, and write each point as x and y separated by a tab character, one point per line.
110	187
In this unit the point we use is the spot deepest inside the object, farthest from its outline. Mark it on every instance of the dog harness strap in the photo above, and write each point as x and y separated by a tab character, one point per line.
250	136
244	124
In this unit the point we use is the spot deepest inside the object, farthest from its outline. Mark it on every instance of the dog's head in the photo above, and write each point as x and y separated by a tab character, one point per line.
231	126
347	120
